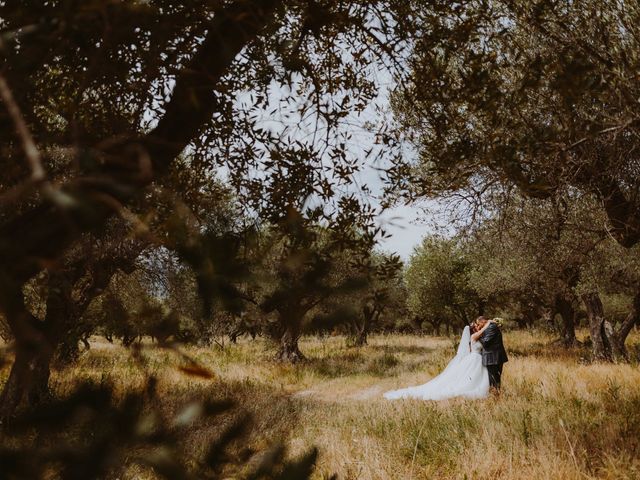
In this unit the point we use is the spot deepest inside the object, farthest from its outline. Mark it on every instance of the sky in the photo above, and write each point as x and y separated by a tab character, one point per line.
405	230
404	225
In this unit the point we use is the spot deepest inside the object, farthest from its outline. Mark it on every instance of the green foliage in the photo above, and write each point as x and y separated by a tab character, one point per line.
535	248
306	272
380	302
538	94
116	120
438	288
534	258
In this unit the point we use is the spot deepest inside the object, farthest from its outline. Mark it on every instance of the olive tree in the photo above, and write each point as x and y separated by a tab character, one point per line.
438	288
100	102
541	95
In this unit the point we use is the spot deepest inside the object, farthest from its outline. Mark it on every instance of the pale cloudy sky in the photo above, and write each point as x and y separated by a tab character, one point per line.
405	230
404	225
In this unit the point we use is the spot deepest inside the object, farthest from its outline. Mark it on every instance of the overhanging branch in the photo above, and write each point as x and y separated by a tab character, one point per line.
34	239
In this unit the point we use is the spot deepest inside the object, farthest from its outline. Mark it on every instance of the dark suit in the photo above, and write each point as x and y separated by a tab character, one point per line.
493	353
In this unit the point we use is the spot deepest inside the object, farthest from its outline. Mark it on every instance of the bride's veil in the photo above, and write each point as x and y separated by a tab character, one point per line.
463	351
465	340
442	382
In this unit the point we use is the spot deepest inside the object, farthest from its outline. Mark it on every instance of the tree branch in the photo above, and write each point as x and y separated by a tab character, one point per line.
28	145
36	238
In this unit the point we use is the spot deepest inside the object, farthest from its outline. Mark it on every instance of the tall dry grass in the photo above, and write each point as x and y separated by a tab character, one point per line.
559	417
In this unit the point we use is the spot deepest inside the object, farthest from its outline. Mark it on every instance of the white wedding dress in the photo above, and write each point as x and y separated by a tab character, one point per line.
464	376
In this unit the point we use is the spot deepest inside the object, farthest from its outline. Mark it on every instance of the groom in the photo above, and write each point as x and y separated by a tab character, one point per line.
493	352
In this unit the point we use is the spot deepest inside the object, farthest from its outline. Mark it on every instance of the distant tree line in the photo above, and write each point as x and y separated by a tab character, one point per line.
534	262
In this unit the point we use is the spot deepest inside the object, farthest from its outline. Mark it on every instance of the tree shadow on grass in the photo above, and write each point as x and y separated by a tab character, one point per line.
402	349
273	413
550	350
383	362
201	426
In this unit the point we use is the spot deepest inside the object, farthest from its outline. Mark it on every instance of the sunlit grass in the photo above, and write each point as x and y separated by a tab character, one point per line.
558	417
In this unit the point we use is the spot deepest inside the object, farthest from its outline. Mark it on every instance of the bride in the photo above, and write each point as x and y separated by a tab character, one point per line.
464	376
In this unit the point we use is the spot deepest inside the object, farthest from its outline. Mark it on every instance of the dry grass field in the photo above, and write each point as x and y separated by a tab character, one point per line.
559	417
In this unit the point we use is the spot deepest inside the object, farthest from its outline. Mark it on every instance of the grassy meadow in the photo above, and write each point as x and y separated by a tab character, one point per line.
557	418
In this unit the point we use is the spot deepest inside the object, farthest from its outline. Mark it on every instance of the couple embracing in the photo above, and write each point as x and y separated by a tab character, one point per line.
472	373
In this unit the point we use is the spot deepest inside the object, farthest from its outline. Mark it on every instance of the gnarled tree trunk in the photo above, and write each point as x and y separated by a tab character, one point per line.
30	369
599	329
360	330
289	350
359	334
620	336
609	343
27	384
564	306
57	336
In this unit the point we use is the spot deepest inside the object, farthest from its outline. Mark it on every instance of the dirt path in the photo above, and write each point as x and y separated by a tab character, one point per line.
327	392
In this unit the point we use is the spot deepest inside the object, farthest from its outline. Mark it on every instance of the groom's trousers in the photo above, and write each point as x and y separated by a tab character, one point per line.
495	373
